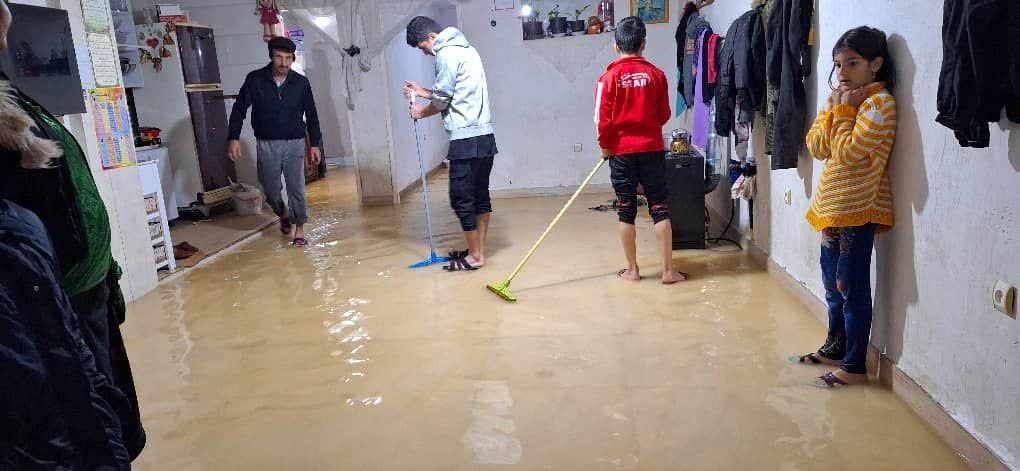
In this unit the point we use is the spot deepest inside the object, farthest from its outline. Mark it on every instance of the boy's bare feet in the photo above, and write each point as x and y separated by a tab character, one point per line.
477	262
673	276
629	274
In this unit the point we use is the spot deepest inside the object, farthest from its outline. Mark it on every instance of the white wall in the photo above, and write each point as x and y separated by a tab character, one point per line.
120	188
956	213
542	94
406	63
322	66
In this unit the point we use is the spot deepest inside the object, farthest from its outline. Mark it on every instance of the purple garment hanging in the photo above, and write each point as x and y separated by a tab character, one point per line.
702	111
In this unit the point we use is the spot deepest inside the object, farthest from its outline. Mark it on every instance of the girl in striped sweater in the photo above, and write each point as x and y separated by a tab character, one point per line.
854	136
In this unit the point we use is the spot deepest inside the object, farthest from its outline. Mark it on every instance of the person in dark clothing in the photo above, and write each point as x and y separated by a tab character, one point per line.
57	409
283	108
43	169
976	82
789	63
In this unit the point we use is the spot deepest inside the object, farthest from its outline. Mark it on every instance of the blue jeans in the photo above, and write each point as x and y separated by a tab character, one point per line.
846	274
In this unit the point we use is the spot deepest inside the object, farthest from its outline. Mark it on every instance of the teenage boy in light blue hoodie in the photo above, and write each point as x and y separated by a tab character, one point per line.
461	96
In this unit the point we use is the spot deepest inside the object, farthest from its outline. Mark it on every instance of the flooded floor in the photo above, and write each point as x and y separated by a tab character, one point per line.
338	357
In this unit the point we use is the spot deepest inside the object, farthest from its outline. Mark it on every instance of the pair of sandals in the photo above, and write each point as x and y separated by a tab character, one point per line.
458	262
832	350
285	226
829	380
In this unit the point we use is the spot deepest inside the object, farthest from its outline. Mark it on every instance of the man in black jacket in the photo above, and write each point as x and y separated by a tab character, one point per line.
282	110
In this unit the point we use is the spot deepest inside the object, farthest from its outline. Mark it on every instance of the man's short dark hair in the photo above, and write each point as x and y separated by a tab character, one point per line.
281	44
419	28
630	33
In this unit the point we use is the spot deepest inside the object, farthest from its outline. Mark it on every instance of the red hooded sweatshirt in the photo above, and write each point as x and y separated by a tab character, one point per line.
631	106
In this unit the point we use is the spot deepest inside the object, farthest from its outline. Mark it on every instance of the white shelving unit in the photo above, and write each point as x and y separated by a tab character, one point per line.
156	217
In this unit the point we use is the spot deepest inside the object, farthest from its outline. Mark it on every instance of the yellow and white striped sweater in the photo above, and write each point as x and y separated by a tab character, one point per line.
855	145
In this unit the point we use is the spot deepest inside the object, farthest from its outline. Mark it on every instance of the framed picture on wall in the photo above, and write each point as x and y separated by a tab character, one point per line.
503	5
650	11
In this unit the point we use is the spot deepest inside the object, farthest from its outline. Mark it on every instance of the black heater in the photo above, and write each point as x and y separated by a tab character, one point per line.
685	179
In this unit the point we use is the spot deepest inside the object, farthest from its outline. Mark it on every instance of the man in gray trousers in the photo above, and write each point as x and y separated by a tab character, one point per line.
282	110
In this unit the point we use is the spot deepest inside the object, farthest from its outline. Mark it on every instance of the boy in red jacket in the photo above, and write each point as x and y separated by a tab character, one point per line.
631	106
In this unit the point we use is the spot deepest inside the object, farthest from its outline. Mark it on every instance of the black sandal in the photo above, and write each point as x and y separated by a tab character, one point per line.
831	380
459	264
813	358
834	349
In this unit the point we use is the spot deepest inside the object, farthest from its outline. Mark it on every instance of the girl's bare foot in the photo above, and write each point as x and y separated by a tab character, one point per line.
629	274
840	378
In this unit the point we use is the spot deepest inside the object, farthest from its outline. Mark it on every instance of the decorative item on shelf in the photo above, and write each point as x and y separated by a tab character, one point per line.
171	13
557	24
145	56
168	39
579	25
680	143
650	11
269	15
594	25
531	22
164	52
148	136
607	14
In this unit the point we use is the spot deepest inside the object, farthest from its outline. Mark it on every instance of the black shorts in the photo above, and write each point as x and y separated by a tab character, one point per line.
469	190
647	169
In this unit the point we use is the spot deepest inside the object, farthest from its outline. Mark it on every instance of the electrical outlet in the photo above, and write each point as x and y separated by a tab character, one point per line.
578	147
1004	298
788	198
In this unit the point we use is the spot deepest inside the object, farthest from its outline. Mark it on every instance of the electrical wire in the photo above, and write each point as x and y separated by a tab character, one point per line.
722	238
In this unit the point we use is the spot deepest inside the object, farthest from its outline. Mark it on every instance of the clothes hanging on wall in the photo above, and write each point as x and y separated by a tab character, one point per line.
789	63
695	27
768	7
980	67
702	109
681	39
708	62
741	73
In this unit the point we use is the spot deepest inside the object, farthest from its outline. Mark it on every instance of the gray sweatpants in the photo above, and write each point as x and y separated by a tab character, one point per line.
288	158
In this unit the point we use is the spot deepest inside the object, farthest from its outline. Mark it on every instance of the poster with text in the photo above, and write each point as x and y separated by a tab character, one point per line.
96	14
105	65
113	127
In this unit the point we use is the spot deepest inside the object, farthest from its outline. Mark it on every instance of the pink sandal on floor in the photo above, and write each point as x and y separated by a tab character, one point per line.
299	242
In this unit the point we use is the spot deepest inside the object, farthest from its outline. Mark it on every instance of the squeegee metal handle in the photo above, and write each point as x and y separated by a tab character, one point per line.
555	220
